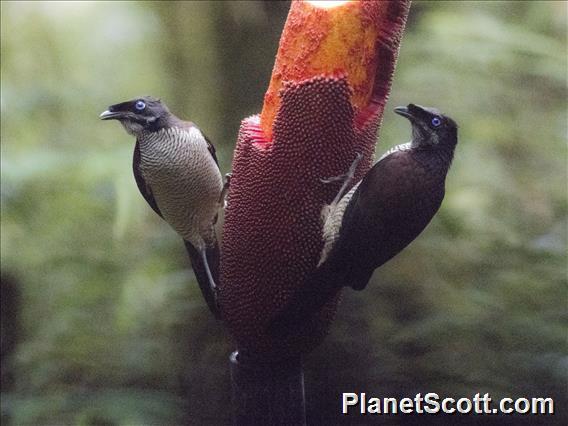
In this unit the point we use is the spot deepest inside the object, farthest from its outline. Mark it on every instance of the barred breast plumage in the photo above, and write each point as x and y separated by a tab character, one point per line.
184	179
176	171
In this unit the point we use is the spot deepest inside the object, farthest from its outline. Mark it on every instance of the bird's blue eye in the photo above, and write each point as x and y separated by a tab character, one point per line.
436	122
140	105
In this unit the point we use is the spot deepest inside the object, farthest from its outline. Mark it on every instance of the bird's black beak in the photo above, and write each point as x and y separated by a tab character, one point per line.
411	111
110	115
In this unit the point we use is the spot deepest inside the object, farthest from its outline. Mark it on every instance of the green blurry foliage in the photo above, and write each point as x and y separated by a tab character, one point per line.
109	327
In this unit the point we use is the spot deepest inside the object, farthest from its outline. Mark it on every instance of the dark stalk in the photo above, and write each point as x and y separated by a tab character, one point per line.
267	394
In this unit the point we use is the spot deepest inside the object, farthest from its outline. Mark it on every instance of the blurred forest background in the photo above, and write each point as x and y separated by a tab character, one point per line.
102	322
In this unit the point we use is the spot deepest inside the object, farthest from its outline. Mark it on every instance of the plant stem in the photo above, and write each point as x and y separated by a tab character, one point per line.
267	394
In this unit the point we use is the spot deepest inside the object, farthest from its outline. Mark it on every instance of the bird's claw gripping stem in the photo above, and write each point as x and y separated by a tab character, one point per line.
347	177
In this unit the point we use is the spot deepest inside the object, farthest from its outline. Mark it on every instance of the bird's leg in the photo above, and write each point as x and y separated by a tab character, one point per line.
225	190
347	177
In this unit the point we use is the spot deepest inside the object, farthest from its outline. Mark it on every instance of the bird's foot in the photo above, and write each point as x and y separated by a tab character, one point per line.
346	178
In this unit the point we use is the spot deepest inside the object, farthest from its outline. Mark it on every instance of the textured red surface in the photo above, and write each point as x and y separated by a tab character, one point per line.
273	230
358	38
272	235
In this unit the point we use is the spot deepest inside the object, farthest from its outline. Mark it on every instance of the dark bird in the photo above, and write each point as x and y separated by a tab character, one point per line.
177	172
380	215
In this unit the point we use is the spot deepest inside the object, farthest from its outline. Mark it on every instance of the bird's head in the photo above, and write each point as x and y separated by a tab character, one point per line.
141	114
430	128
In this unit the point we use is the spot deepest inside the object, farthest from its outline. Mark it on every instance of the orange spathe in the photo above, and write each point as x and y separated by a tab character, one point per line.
340	40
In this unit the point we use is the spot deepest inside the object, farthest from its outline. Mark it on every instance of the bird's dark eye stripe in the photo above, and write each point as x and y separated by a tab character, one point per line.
436	121
140	105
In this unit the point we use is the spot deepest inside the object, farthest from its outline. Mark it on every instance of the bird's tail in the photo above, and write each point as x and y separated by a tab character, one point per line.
200	271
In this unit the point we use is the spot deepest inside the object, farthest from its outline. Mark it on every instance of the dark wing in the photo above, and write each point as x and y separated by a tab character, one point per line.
142	186
360	248
394	204
376	221
213	153
346	264
211	149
